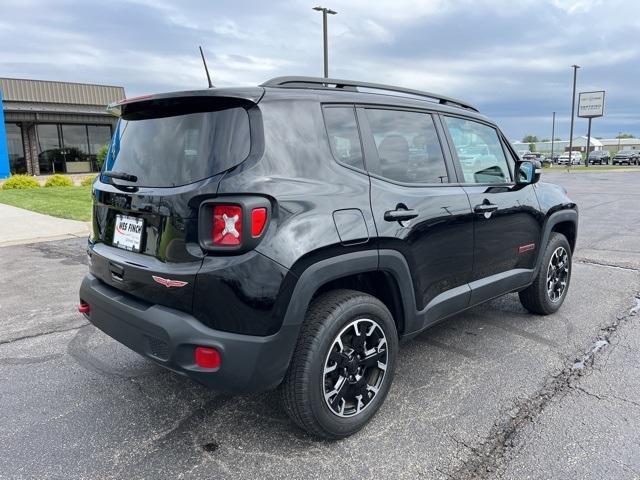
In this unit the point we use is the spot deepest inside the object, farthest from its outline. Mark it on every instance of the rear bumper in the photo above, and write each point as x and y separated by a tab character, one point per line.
168	337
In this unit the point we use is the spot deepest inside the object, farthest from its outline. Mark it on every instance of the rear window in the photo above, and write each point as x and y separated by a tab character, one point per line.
176	150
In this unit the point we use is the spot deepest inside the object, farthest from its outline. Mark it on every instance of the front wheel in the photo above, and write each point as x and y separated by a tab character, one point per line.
549	288
343	364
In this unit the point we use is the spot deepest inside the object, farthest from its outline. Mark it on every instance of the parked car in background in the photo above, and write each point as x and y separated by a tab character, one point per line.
574	159
626	156
522	153
544	161
601	157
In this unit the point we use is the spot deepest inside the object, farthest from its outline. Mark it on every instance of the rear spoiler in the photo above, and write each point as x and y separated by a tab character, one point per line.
203	98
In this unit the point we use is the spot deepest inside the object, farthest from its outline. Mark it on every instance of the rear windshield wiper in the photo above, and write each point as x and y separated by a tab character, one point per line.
121	176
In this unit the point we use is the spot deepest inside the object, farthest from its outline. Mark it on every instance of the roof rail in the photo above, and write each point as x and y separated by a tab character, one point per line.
323	83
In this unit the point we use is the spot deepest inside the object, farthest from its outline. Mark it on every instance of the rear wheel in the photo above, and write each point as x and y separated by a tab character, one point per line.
343	364
549	289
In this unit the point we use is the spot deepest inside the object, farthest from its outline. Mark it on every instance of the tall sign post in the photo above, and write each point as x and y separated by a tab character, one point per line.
590	105
4	153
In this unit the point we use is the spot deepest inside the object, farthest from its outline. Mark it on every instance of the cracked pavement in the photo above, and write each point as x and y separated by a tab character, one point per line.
493	393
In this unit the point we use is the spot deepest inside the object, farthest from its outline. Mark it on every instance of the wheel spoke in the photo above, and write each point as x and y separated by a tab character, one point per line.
349	385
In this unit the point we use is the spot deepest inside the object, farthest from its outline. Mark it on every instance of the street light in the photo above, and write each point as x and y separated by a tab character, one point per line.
573	109
325	11
553	133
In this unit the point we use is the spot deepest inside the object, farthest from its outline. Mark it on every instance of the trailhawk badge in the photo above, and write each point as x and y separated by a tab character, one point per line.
168	283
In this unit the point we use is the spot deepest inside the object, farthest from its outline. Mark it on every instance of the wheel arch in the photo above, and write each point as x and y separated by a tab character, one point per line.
562	221
383	274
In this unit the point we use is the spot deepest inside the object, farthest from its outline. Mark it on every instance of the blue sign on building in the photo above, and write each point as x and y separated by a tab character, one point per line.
4	153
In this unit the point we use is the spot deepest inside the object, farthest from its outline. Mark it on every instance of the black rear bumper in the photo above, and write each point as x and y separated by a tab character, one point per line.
169	337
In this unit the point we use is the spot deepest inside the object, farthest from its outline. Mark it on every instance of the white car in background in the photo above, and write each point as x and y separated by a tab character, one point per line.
574	159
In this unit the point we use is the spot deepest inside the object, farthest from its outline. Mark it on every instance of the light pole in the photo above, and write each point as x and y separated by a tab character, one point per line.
553	133
573	109
325	11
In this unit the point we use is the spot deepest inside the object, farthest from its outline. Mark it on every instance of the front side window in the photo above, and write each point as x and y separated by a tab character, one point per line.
408	146
343	135
479	151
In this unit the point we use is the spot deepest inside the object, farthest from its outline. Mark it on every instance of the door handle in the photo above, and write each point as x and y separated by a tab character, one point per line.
485	208
400	215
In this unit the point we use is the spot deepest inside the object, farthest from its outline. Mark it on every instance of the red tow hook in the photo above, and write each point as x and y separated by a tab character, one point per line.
84	308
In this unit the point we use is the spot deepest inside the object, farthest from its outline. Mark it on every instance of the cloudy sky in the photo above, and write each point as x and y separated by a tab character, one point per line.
511	58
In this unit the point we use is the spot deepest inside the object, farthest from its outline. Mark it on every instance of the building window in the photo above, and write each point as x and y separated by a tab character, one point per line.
50	156
17	160
76	148
99	135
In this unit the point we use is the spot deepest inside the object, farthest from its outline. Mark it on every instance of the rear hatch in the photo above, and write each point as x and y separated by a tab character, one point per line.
168	153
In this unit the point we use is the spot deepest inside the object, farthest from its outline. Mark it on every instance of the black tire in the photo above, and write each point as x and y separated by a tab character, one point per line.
304	389
537	297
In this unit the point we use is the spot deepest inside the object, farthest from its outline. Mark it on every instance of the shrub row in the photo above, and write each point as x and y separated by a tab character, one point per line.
23	182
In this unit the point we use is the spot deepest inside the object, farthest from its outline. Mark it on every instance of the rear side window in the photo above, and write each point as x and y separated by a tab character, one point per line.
479	150
408	146
343	135
170	151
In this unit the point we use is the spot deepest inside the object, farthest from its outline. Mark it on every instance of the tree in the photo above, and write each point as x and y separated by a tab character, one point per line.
102	153
545	140
626	135
529	139
532	147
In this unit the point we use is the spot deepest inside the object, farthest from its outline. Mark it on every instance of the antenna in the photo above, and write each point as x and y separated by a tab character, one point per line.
205	67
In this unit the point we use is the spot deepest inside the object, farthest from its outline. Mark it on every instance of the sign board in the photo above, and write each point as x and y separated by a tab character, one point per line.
591	104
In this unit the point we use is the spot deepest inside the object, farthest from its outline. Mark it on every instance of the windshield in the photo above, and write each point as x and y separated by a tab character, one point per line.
176	150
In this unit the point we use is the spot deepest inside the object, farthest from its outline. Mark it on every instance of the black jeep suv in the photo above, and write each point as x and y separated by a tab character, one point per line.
290	235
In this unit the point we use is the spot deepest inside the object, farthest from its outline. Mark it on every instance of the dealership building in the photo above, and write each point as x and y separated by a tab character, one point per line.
53	127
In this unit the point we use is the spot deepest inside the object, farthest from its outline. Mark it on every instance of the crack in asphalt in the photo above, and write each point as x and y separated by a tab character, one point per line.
40	334
605	264
29	360
489	455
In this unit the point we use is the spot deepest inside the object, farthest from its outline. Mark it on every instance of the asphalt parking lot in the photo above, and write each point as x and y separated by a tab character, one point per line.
492	393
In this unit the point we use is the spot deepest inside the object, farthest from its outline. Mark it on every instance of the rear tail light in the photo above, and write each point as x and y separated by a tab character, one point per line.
258	221
233	224
227	225
207	357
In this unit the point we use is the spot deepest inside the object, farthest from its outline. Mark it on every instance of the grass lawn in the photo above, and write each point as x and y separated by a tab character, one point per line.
63	202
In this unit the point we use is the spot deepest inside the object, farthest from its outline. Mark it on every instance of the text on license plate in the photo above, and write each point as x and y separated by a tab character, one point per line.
128	232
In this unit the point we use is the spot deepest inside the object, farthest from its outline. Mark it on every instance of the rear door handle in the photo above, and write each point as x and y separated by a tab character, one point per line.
485	208
400	215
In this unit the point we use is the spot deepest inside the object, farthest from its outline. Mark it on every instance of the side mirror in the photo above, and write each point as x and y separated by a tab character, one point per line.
528	172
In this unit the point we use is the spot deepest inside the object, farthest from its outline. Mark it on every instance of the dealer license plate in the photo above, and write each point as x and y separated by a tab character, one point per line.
128	233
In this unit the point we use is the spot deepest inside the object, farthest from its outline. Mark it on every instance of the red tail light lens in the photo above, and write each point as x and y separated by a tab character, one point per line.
258	221
227	225
207	357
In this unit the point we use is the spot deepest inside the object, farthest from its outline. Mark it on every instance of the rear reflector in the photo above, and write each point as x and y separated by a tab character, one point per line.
207	357
258	221
84	307
227	225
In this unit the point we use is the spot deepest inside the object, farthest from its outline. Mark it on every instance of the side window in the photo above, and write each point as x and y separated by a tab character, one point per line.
343	135
408	146
479	150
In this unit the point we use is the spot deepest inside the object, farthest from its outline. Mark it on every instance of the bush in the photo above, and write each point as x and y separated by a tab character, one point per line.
102	154
20	182
58	181
87	181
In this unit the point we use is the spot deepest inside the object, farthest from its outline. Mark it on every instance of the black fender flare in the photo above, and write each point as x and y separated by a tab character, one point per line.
565	215
326	270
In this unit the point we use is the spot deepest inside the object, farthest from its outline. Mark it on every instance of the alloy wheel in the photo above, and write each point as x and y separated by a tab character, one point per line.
355	367
557	274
